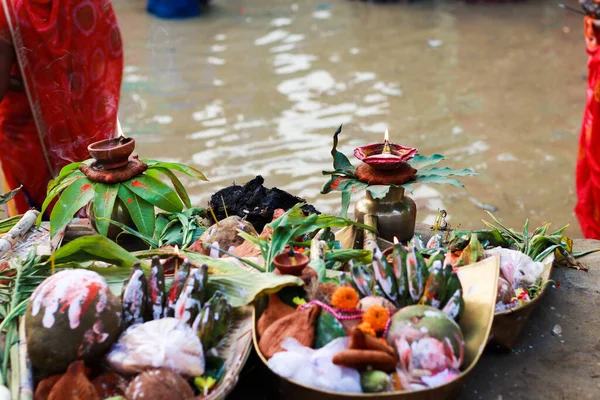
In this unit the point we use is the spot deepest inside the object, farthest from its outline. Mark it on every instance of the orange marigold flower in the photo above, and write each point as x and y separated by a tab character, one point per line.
377	316
366	328
344	298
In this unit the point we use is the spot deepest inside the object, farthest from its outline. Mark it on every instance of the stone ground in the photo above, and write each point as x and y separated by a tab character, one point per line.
541	366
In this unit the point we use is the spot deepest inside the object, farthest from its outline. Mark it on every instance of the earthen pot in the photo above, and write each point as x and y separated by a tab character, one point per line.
283	262
112	153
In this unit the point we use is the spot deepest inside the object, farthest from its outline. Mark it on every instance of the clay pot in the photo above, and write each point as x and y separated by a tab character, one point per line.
119	214
112	153
284	264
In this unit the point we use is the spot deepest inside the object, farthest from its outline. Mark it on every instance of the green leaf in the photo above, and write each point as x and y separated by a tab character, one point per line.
64	173
346	198
95	248
419	161
379	191
328	328
142	212
186	169
560	231
75	196
179	188
155	192
340	161
440	180
445	172
56	191
151	242
153	173
6	197
104	202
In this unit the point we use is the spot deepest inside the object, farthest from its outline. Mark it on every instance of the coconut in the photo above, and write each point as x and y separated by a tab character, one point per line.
223	235
159	384
72	315
417	322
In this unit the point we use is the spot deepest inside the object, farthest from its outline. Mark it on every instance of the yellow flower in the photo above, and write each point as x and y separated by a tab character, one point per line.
366	328
377	316
344	298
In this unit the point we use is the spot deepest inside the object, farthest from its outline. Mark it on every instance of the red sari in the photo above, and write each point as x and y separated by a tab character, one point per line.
70	57
588	157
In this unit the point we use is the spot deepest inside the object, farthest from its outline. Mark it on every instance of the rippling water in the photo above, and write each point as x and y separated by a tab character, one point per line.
259	86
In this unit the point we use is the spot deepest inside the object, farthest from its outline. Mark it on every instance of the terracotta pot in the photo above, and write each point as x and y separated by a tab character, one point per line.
396	214
119	214
283	262
112	153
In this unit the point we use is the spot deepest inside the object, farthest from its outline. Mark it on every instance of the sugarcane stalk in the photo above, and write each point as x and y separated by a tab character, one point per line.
17	231
26	384
15	376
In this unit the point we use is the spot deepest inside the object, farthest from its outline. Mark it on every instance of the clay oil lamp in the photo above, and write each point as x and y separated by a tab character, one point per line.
291	262
112	153
386	155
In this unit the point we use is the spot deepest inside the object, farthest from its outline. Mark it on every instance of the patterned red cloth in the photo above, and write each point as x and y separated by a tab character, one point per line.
70	57
588	157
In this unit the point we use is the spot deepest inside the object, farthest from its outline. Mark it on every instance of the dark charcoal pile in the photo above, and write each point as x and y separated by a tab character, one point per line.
254	202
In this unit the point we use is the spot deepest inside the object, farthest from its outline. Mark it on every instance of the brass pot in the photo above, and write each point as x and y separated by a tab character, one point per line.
119	214
396	214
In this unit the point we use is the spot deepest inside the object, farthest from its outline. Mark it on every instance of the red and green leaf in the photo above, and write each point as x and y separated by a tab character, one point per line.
155	192
64	173
141	211
74	197
104	202
56	191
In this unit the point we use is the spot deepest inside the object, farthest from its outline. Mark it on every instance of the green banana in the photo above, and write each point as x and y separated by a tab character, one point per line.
176	288
399	256
384	274
213	321
455	306
361	280
435	288
417	274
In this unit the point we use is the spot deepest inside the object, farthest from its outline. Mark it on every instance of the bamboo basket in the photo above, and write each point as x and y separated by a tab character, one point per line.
480	286
508	324
234	349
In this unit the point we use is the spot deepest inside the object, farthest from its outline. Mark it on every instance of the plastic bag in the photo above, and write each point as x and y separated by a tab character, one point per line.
314	368
517	268
162	343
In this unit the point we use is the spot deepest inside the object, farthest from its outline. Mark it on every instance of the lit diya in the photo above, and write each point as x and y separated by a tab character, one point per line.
385	163
386	155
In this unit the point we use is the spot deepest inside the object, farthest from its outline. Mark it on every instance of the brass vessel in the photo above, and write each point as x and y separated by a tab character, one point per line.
396	214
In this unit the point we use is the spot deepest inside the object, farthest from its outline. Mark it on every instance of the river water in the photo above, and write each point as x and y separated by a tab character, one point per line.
258	87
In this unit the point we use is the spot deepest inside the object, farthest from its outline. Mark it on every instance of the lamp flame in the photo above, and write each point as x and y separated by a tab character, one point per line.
396	241
176	250
386	136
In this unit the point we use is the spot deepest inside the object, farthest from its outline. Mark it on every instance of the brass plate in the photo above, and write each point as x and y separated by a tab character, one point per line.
479	282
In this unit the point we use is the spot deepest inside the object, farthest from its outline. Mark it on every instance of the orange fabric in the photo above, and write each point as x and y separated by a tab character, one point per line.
588	155
71	61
